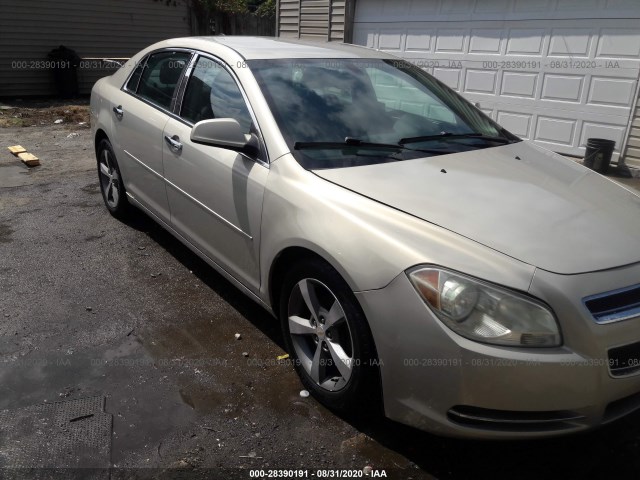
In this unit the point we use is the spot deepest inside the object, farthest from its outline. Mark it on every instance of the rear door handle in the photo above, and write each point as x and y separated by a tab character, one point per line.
174	143
118	111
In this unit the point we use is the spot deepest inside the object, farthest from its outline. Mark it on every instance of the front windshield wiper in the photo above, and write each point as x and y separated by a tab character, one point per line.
448	135
356	142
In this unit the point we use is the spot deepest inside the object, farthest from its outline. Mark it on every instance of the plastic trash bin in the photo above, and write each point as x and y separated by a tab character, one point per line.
598	154
64	65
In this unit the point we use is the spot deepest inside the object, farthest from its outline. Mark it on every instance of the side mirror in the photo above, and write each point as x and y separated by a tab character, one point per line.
224	133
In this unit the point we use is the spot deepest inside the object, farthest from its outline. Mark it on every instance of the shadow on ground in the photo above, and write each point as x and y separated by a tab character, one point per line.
611	450
253	312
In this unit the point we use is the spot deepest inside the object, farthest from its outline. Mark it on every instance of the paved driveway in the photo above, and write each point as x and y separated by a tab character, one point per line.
93	307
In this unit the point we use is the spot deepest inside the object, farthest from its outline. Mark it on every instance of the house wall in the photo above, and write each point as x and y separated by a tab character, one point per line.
29	29
556	72
544	69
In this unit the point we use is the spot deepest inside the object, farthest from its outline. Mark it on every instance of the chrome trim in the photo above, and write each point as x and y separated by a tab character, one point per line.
173	143
144	60
193	199
179	92
178	85
119	112
217	215
621	314
509	421
157	107
212	263
143	164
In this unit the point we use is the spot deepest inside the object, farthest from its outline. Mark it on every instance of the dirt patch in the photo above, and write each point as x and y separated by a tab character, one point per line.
29	114
91	188
5	233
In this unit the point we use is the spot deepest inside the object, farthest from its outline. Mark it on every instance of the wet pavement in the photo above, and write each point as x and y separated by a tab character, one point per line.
91	306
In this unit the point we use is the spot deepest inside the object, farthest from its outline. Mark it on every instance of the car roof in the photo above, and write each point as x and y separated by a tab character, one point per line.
252	48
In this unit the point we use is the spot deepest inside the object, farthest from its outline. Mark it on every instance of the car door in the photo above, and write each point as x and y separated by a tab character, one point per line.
147	100
215	194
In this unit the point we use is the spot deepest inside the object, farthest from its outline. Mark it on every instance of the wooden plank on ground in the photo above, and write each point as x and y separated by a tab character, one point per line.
29	159
16	149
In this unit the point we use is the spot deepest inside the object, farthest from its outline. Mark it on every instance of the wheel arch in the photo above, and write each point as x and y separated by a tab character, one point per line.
100	135
278	271
293	255
283	260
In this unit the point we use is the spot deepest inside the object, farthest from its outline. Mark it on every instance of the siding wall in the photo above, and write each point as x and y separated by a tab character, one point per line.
314	19
29	29
337	18
288	18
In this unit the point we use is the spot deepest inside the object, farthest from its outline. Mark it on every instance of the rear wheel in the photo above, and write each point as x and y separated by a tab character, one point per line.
328	337
111	184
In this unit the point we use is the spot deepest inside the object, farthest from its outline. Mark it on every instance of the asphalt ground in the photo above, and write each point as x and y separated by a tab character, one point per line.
91	306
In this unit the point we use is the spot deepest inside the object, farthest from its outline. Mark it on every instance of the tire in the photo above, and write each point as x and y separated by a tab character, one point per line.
336	329
110	180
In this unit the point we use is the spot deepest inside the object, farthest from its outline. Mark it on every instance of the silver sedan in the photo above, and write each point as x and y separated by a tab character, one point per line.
417	254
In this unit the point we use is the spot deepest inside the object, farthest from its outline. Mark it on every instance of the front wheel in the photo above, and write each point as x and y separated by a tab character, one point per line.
328	337
111	184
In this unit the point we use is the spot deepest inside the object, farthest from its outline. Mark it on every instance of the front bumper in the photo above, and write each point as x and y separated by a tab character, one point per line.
435	380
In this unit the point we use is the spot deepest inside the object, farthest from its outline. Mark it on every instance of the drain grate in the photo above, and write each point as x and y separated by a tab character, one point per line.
69	434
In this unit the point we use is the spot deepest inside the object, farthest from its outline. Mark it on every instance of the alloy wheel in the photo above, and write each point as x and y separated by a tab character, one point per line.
109	179
320	334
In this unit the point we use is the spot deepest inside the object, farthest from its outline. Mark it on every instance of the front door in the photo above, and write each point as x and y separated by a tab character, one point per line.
215	195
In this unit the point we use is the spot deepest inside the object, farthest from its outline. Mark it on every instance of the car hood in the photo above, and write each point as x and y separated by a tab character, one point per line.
518	199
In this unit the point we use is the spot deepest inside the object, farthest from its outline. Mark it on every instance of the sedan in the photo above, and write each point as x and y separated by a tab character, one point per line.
418	255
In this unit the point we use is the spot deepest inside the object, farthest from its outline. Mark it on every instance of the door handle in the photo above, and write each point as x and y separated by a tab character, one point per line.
118	111
174	143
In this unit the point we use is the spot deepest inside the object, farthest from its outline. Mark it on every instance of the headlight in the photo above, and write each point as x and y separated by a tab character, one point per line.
484	312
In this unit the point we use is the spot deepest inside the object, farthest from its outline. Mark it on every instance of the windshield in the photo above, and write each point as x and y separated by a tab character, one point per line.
348	112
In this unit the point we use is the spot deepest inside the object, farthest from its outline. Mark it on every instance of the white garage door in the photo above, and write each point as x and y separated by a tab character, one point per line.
553	71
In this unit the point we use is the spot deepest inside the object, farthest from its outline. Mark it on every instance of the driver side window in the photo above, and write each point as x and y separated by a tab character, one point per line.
213	93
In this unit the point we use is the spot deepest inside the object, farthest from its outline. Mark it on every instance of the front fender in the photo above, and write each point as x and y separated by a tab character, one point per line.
368	243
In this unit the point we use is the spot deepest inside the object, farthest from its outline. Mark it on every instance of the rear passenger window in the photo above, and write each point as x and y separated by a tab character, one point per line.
160	77
213	93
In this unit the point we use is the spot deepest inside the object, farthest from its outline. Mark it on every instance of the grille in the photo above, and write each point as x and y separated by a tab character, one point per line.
615	306
624	360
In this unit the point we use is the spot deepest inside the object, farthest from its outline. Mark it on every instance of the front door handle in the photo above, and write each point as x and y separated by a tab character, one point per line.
174	143
118	111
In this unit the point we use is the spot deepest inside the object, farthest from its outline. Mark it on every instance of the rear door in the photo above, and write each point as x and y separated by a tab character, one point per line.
215	194
140	119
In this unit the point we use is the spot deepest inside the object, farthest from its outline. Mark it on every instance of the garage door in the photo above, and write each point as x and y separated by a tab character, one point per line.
553	71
